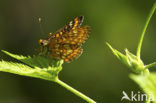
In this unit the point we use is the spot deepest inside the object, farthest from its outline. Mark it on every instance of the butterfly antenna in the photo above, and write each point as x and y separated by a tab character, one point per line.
41	28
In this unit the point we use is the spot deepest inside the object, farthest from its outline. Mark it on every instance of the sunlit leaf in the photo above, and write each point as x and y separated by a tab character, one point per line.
36	66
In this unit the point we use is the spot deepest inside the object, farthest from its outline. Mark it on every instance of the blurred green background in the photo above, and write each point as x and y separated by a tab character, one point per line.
97	73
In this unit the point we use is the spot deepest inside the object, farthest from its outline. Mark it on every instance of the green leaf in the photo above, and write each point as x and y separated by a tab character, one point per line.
39	67
130	60
147	83
135	63
36	61
36	66
123	58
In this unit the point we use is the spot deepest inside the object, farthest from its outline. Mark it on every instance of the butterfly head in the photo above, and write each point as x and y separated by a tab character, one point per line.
43	42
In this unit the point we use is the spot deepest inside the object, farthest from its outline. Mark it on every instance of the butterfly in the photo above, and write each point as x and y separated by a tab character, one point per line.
66	43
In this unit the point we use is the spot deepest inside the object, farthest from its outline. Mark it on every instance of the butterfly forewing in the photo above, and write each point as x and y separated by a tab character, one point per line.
72	25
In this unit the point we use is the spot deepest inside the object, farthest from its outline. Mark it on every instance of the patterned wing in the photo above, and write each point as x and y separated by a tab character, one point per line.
77	36
74	55
74	24
67	52
66	43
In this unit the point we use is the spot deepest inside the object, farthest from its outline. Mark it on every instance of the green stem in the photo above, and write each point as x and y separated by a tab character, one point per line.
146	72
150	65
89	100
144	30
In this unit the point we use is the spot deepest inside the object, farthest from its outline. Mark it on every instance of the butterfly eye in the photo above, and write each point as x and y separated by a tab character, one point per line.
40	42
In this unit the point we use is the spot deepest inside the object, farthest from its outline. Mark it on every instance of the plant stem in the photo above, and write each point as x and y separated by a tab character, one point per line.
146	72
144	30
150	65
89	100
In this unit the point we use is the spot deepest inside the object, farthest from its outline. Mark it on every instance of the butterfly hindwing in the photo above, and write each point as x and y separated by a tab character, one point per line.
67	52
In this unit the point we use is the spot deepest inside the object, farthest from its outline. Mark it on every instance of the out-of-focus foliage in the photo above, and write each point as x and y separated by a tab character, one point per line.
147	83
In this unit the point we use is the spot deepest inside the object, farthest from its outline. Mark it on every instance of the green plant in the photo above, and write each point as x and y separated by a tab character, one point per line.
38	67
145	79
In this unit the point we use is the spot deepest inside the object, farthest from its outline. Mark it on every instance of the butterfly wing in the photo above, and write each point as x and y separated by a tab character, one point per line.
67	52
77	36
74	24
66	43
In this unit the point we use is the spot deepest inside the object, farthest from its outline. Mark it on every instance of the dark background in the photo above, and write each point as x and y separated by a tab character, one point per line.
97	73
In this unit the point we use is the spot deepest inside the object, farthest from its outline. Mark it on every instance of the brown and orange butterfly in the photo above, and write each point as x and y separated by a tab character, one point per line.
66	43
